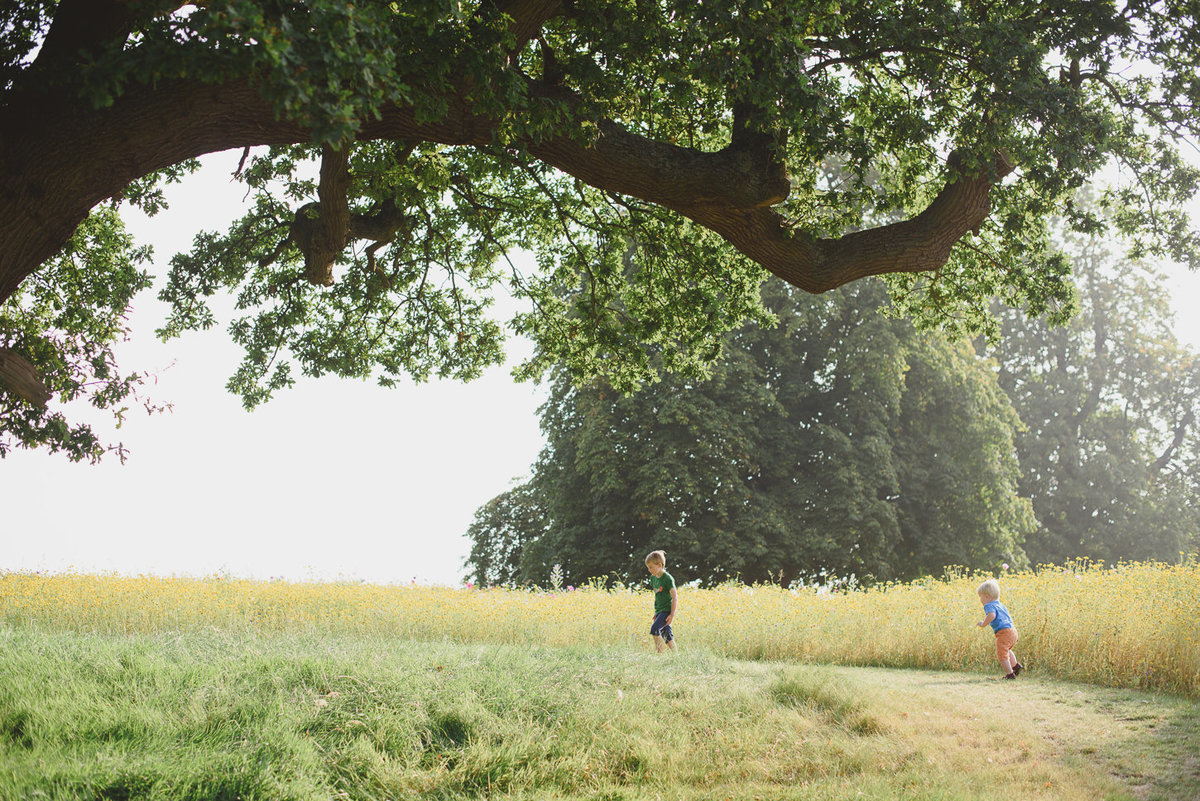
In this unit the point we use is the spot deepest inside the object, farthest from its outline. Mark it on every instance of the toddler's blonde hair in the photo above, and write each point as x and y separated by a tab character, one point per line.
656	558
990	588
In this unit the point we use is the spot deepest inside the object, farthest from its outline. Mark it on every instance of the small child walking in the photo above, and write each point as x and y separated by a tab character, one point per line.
1002	624
666	601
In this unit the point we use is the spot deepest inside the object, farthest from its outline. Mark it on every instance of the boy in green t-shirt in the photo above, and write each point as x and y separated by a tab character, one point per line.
666	601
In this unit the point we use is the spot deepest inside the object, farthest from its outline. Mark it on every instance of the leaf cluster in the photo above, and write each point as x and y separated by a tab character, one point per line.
67	319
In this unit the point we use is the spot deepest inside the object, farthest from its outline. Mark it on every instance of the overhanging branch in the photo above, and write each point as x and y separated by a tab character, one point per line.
80	26
730	191
321	230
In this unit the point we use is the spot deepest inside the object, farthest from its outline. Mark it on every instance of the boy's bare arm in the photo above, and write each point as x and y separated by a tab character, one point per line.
674	605
990	617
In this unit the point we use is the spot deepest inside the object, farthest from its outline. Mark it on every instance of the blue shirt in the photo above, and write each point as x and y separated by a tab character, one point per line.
1002	619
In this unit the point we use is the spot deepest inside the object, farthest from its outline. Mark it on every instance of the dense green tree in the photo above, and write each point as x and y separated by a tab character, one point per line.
960	503
396	151
841	440
1109	449
500	532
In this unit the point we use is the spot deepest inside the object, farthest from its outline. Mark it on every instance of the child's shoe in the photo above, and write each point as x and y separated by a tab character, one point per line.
1011	676
1017	670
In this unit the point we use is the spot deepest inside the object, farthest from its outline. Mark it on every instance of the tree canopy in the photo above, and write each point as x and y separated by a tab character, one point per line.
841	441
1109	447
658	158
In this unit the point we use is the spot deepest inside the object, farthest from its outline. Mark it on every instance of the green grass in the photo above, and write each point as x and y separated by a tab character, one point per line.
216	716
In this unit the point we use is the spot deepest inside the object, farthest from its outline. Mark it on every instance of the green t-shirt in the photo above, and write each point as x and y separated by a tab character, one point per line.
662	586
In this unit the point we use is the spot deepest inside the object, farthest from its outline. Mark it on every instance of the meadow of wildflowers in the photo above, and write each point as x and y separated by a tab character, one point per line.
1124	626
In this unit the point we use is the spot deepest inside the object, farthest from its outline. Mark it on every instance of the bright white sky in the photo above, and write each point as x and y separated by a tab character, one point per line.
333	479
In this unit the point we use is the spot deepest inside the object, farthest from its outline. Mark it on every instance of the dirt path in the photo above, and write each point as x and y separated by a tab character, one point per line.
1117	743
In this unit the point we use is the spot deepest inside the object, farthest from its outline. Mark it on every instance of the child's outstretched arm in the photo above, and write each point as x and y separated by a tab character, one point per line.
990	617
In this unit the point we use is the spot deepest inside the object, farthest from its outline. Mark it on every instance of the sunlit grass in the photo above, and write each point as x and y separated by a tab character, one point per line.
305	716
1129	626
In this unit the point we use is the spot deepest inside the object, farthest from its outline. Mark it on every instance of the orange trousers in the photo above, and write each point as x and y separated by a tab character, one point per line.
1005	640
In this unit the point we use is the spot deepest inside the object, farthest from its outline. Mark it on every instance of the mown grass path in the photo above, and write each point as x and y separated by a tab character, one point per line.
219	716
1074	740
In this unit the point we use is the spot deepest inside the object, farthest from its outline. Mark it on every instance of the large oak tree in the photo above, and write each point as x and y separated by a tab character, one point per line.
396	152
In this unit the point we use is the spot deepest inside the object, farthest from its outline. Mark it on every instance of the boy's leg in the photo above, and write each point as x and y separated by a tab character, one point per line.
660	630
1005	640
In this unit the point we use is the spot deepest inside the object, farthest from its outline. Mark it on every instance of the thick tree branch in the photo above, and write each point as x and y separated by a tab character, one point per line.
80	26
321	230
729	191
20	378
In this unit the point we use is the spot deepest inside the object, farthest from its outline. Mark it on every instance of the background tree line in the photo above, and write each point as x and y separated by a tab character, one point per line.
845	441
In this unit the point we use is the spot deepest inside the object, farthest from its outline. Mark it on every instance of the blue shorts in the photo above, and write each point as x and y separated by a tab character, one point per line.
659	627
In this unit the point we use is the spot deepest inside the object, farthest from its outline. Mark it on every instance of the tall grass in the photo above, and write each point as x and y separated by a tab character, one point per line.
218	715
1128	626
215	716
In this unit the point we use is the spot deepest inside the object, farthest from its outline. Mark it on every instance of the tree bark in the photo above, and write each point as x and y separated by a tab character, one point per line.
326	234
20	378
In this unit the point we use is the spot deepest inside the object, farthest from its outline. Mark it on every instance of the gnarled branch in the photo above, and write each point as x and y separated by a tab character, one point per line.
380	227
21	378
525	17
731	192
81	25
322	229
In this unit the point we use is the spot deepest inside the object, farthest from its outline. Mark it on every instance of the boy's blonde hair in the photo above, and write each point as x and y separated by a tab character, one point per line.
656	558
990	588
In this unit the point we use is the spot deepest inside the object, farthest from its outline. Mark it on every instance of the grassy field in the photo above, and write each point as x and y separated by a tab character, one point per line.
216	716
1133	626
123	689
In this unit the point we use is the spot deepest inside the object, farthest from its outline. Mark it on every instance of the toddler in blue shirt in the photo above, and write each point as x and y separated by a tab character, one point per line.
1001	621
